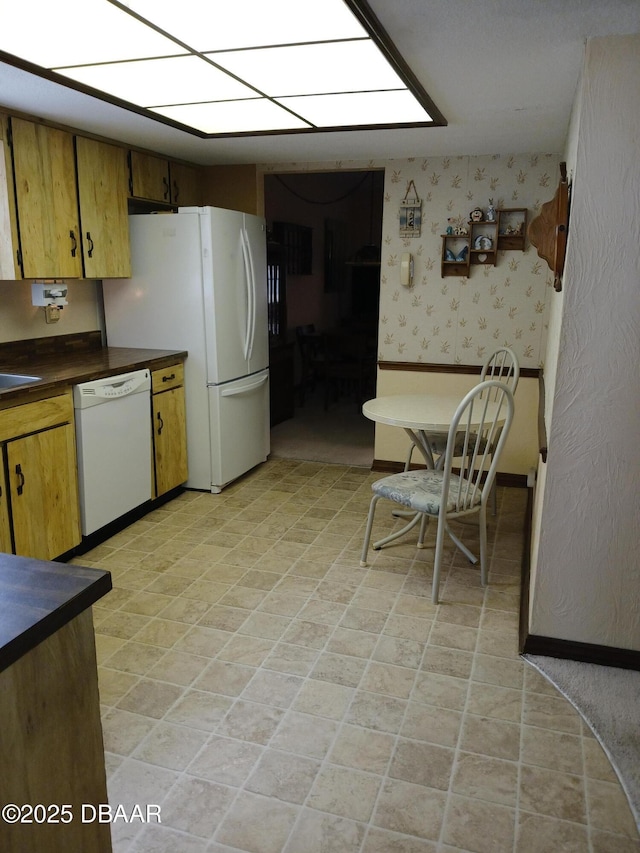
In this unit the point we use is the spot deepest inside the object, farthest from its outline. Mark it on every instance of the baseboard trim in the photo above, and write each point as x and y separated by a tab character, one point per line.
584	652
387	466
553	647
523	628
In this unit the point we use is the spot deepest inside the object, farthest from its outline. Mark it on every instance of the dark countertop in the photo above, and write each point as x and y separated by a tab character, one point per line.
59	370
38	597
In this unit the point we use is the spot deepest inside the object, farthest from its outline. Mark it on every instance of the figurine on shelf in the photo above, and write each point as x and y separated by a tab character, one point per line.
461	257
483	242
491	212
460	231
476	215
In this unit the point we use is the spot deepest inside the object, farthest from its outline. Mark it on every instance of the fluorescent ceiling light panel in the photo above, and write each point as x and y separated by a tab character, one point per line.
365	108
207	26
50	33
153	82
258	115
214	68
312	68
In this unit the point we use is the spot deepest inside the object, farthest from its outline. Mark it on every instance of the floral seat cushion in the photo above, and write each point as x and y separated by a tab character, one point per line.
421	490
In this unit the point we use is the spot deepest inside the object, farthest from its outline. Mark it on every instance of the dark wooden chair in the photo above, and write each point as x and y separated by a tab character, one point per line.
310	350
348	366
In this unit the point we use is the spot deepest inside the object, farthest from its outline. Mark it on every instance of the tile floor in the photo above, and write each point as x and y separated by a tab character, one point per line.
272	696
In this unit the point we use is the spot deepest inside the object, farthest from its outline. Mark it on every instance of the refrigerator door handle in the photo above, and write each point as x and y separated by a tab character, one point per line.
237	392
248	280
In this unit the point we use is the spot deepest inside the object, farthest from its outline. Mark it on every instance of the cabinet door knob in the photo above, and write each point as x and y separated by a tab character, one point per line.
74	244
165	183
90	242
160	423
169	378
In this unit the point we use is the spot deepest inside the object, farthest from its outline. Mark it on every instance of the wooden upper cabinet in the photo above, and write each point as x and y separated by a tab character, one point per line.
102	192
186	184
47	205
155	178
9	244
149	177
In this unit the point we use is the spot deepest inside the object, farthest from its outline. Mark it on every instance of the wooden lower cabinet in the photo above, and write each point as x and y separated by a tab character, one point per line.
51	737
169	424
39	508
5	519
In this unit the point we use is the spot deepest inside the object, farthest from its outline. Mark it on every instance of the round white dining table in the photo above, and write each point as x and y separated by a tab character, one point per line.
420	414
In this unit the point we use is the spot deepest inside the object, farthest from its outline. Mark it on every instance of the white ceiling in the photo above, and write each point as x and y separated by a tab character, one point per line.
503	73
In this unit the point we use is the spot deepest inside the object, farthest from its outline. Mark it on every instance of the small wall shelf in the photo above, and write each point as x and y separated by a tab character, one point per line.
455	261
484	242
512	228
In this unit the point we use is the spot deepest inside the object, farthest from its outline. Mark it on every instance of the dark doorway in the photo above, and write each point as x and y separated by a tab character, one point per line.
329	227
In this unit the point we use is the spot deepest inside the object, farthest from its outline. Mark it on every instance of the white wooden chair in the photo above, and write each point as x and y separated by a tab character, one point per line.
477	440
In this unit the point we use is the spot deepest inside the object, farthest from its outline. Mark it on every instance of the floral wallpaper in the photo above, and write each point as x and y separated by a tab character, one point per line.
455	320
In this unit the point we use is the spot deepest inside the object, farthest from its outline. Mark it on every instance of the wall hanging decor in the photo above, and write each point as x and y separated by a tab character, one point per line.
410	213
548	231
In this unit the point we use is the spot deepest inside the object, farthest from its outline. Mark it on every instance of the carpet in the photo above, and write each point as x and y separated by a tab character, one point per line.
341	435
608	699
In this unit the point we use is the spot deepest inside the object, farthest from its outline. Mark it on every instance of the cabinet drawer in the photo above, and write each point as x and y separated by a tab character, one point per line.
169	377
31	417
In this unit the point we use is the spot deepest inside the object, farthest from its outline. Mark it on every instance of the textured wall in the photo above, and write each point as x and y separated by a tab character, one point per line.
587	568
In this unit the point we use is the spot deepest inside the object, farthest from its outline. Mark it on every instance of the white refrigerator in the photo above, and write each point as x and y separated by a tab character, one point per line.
199	283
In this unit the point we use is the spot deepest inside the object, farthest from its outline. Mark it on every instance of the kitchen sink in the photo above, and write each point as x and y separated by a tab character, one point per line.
11	380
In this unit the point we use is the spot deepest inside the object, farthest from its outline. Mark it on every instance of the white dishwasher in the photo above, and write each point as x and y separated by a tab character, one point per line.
113	440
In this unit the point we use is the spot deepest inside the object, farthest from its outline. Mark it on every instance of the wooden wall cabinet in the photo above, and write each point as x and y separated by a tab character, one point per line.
169	429
64	200
39	508
71	204
9	244
160	180
186	184
149	177
102	194
46	197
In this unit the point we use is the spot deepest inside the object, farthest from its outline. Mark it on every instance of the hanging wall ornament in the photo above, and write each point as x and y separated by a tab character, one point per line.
410	213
